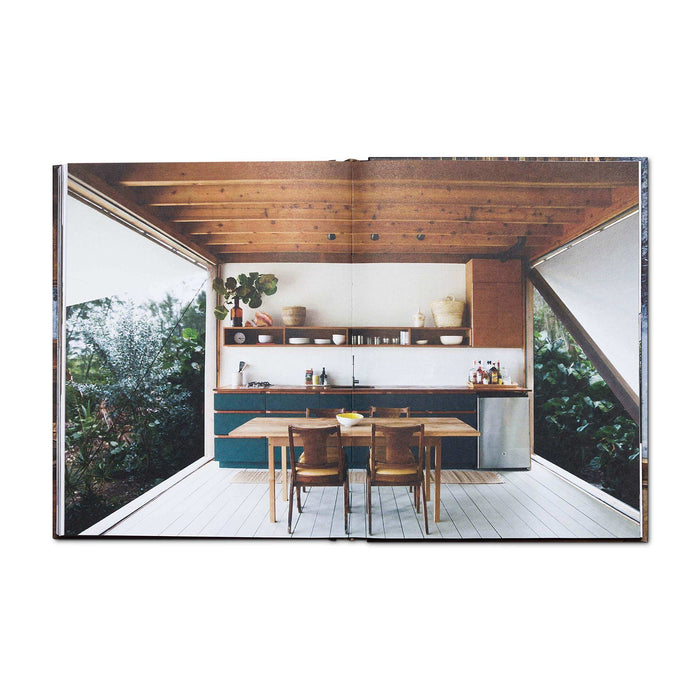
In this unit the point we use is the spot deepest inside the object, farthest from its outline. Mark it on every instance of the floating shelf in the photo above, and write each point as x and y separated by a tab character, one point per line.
356	336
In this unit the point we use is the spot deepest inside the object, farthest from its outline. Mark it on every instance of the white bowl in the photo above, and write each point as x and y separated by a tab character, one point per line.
338	339
322	341
348	419
264	339
421	342
451	339
299	341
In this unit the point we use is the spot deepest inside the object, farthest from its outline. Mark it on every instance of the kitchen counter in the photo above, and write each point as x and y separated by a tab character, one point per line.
297	389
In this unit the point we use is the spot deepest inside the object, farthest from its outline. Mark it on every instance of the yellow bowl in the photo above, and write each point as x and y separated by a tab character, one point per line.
348	419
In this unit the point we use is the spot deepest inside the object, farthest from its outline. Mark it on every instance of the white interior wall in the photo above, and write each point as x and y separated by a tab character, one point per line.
373	294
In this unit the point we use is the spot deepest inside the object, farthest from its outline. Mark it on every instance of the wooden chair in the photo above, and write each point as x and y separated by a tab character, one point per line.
399	466
324	413
379	412
313	467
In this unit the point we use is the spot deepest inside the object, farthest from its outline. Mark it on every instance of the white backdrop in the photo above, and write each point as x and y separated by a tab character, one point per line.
534	79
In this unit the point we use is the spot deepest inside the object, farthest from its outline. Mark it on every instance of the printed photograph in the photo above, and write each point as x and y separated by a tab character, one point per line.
392	349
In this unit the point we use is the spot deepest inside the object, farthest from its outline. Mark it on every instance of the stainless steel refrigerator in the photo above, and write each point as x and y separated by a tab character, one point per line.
504	424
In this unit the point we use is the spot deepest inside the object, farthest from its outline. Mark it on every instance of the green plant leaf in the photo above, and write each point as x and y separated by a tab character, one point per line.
218	286
189	334
221	312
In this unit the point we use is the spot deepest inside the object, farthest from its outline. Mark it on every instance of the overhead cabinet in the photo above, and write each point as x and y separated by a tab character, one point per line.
496	303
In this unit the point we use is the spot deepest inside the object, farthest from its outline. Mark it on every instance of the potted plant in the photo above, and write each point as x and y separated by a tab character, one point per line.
249	289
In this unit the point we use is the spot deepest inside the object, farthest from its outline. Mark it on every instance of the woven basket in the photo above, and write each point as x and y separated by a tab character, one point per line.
293	315
447	312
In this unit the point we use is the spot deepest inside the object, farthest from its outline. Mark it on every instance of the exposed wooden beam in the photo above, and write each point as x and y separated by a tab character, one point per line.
122	199
622	390
551	173
624	199
201	229
397	257
451	192
270	192
285	238
457	228
525	215
265	210
159	174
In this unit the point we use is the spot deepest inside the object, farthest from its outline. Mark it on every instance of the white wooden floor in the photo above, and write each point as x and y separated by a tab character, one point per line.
529	505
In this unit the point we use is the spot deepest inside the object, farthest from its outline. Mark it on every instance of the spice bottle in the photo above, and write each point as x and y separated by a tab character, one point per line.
308	377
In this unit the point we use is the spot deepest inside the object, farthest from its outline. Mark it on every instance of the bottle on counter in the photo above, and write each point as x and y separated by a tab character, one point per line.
324	378
479	373
472	373
236	314
315	378
308	377
494	374
500	375
487	373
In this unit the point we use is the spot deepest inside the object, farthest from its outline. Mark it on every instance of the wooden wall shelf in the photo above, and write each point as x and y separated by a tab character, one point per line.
356	336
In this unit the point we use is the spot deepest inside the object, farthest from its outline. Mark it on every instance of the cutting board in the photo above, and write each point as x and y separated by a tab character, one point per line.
492	387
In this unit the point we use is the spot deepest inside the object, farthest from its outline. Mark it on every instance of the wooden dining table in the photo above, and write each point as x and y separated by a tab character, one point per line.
275	430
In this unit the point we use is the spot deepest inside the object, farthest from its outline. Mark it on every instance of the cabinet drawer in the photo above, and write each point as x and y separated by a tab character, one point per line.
241	453
224	423
239	402
292	402
418	402
336	401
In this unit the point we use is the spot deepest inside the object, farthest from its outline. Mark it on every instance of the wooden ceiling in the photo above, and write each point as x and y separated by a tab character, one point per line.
403	210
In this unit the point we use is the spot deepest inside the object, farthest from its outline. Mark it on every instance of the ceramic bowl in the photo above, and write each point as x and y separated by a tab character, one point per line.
264	339
338	339
451	339
348	419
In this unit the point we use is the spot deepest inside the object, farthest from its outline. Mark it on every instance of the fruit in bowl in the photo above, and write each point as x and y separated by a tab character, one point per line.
348	419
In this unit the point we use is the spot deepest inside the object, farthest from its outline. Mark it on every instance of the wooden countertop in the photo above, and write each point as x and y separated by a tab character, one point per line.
296	389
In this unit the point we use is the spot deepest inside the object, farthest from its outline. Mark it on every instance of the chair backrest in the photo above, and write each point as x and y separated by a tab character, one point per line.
379	412
314	441
396	441
323	412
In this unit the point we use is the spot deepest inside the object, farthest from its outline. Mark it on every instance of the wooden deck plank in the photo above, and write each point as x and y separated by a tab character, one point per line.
493	515
411	522
310	502
266	529
558	528
519	528
358	521
324	515
609	518
548	499
203	498
390	516
450	508
153	518
517	513
231	525
470	509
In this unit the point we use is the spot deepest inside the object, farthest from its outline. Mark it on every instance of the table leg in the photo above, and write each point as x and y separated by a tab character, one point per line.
271	478
438	467
285	486
428	456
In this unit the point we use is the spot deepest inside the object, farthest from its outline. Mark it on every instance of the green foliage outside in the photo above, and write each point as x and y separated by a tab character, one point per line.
134	401
579	424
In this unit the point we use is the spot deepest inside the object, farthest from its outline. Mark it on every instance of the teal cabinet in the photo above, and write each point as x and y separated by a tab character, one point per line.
230	411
